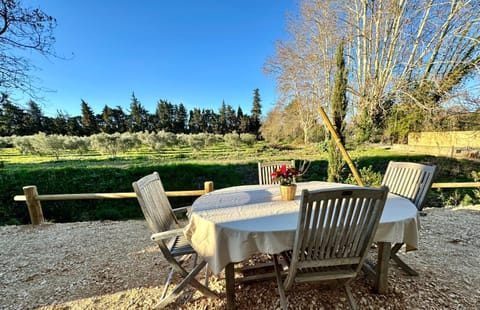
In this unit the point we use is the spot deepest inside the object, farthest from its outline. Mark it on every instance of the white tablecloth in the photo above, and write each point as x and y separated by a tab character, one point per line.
231	224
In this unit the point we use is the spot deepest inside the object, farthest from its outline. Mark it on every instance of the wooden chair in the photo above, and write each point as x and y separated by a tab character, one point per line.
168	234
411	181
265	170
334	231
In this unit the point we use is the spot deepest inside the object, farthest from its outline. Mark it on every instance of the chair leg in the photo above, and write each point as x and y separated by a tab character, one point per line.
350	298
401	263
188	279
167	283
281	289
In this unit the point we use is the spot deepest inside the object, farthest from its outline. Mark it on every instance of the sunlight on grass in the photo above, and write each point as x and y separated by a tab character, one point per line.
210	155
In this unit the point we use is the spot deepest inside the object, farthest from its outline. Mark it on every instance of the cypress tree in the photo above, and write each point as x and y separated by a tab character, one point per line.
88	120
339	110
256	113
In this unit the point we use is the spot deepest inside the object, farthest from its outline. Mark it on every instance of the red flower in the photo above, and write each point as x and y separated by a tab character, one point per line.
284	175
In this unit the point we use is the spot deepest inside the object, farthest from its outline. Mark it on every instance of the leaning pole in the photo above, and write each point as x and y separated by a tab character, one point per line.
345	155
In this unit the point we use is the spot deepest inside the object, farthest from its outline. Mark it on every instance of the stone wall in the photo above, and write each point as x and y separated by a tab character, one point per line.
456	139
447	143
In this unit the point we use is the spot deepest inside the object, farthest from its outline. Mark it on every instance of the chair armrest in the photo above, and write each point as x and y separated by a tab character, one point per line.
167	234
182	210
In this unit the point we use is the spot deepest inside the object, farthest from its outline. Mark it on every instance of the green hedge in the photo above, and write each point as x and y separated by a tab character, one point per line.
64	177
63	180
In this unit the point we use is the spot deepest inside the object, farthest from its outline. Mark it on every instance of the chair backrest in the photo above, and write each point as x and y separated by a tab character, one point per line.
409	180
154	203
335	229
265	170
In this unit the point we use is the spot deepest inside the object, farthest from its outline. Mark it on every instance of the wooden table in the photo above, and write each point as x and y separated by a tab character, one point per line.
231	224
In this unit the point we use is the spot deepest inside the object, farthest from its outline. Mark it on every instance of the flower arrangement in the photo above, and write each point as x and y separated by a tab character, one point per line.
284	175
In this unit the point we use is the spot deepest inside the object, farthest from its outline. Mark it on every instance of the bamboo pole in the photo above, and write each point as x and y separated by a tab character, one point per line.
347	158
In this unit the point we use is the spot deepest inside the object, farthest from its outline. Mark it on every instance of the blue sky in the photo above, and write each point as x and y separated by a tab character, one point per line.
198	53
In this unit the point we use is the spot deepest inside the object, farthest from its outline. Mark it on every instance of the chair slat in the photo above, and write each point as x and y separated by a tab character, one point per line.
409	180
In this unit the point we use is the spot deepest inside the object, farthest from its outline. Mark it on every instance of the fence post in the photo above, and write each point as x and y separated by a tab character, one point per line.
208	186
33	204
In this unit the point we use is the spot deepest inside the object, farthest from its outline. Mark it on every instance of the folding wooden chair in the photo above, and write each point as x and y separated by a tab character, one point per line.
411	181
334	231
169	237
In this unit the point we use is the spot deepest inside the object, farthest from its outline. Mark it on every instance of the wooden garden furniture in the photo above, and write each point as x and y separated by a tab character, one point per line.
334	232
230	225
168	235
411	181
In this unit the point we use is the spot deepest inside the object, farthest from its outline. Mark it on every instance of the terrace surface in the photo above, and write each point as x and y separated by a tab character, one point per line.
114	265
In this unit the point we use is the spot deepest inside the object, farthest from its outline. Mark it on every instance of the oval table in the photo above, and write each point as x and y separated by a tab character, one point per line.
231	224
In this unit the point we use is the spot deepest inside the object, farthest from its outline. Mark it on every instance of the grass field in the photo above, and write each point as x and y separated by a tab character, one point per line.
185	168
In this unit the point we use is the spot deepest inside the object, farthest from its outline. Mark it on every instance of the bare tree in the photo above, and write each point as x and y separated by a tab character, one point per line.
397	51
304	65
22	30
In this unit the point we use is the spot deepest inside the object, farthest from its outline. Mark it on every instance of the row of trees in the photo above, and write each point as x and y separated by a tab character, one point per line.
169	117
113	144
410	64
25	30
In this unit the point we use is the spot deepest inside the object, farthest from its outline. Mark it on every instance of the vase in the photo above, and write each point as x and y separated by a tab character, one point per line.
287	192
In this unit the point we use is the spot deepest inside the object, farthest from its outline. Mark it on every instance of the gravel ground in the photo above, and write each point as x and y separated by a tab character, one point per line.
114	265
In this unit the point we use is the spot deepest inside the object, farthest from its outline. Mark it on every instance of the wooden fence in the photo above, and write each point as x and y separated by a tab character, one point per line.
456	185
33	199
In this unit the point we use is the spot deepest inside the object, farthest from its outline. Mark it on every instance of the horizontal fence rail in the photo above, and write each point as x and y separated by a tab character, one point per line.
456	185
32	198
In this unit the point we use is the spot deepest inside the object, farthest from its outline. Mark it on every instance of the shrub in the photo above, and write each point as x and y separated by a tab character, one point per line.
158	141
114	144
248	138
368	176
232	140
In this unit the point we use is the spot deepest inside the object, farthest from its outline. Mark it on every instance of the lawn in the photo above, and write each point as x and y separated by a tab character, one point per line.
185	168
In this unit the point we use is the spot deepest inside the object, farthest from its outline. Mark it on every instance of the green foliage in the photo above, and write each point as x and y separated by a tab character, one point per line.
5	142
405	118
94	173
368	175
88	120
23	144
339	111
157	141
255	122
114	144
196	142
233	140
248	139
49	145
77	144
63	180
335	162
